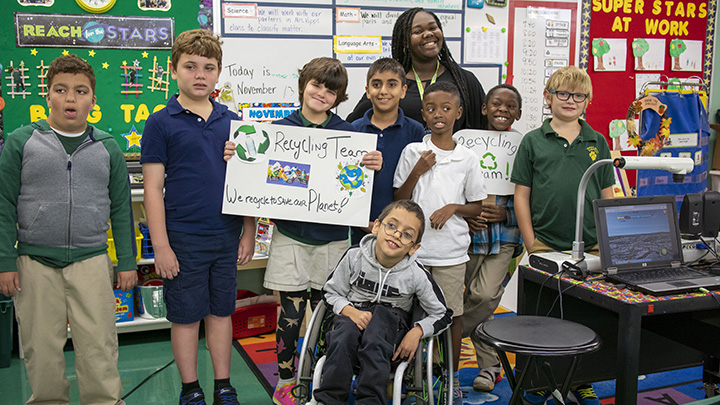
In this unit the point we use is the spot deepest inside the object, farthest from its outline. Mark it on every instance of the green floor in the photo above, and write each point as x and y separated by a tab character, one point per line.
141	354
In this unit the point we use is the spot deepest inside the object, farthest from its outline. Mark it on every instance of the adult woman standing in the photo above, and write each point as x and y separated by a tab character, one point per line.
419	45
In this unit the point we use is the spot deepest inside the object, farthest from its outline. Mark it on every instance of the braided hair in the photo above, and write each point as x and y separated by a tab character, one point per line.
401	52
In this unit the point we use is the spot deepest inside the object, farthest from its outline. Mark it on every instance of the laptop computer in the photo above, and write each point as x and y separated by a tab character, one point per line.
639	242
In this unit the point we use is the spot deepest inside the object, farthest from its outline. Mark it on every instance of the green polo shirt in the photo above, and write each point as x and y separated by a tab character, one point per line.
310	124
552	168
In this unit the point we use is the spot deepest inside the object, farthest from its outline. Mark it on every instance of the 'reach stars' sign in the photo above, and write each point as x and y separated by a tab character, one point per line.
93	31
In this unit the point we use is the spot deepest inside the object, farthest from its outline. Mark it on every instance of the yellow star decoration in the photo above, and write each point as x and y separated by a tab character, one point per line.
33	52
124	63
105	65
65	52
91	53
133	138
145	54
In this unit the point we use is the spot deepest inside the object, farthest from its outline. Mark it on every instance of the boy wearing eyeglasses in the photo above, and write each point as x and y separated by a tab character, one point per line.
548	167
371	292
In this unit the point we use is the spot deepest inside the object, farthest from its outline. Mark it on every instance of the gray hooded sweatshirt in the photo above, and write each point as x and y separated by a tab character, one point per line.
360	279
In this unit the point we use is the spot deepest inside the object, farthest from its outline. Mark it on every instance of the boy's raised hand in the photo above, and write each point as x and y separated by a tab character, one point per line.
409	344
229	151
166	264
373	160
425	163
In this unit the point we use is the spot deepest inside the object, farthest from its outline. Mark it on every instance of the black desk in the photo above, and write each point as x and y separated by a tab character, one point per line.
641	333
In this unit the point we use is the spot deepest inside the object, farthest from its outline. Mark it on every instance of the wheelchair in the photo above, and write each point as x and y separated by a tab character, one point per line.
428	380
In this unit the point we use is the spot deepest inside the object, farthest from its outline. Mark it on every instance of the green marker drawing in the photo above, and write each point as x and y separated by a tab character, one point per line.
507	170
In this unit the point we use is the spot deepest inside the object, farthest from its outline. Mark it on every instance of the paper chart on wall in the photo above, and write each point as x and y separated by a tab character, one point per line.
542	41
485	45
299	173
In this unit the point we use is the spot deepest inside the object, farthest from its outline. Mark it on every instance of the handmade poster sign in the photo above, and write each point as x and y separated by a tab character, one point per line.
298	173
496	151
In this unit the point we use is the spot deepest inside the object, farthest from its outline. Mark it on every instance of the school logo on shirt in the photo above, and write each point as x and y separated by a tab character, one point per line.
592	152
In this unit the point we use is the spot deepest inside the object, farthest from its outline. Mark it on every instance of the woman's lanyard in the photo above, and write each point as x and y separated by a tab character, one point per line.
421	89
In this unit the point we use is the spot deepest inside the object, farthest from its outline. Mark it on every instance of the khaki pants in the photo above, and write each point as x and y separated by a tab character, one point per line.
80	294
483	289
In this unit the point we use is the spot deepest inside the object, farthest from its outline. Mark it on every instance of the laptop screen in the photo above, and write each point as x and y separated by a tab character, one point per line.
637	232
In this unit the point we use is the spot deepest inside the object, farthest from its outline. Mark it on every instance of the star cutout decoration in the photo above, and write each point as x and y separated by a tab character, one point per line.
144	54
133	138
91	53
105	65
65	52
585	34
124	63
33	52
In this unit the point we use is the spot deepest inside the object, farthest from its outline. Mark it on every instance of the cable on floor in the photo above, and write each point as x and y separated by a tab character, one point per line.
148	378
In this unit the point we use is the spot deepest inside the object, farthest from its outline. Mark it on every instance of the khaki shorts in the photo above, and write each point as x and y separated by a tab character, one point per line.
450	279
295	266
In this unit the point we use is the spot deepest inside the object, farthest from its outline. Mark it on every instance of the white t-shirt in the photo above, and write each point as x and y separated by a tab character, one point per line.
455	179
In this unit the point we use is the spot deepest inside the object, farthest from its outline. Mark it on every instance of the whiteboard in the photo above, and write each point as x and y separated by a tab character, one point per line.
267	41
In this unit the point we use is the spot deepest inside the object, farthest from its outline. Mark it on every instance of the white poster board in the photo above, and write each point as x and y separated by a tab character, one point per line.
496	151
298	173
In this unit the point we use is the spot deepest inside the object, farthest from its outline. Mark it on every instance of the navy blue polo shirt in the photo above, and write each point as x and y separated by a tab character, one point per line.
390	142
192	151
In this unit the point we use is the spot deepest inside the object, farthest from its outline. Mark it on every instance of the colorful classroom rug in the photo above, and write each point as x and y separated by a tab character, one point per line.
669	388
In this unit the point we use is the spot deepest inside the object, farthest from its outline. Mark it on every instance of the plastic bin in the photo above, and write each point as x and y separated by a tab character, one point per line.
111	245
254	319
6	330
147	251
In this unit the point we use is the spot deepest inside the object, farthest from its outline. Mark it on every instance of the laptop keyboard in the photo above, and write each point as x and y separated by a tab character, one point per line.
659	275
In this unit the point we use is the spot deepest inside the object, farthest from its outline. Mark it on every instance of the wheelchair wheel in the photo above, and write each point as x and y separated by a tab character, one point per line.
310	353
429	380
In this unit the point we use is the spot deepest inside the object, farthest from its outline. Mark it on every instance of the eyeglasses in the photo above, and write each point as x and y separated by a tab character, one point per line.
565	96
391	229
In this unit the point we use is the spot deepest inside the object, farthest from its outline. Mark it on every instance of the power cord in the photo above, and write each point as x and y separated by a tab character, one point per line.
148	378
537	303
706	291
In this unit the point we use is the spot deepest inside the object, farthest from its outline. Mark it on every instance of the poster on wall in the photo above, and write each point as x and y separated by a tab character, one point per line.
648	53
299	173
496	151
609	54
542	40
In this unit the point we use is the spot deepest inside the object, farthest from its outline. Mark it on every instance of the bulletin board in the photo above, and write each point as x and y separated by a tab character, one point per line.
266	42
627	43
128	47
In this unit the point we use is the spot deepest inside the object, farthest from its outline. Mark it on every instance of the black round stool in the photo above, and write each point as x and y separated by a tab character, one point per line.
537	337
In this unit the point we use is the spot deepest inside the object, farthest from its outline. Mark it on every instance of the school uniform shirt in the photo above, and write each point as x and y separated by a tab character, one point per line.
456	178
412	104
390	142
552	168
191	149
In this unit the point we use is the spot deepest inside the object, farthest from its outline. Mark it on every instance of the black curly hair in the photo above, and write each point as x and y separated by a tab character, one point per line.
401	51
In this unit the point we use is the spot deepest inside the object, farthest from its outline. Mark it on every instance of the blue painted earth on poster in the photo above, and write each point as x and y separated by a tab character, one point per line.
351	177
93	32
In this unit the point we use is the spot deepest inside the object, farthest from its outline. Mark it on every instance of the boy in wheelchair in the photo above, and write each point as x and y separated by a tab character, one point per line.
372	291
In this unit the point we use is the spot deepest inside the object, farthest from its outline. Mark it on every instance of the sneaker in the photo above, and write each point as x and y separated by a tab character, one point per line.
457	393
585	395
486	380
283	394
537	397
192	398
225	396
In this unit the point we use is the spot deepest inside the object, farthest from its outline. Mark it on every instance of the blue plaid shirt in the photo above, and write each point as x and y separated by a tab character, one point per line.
488	241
